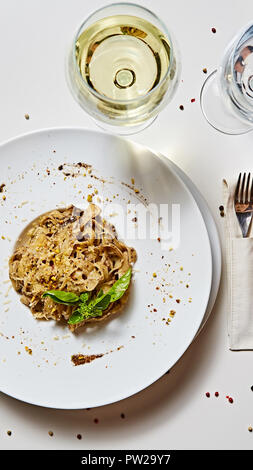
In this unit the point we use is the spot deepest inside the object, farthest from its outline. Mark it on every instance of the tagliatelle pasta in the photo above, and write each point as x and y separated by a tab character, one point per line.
71	250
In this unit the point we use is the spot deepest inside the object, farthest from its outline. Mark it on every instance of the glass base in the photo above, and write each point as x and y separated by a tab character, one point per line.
216	112
124	130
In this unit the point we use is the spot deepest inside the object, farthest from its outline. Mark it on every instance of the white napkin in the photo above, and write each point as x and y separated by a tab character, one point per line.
239	259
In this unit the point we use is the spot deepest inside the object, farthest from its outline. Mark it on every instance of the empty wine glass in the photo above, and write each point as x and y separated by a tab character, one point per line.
227	95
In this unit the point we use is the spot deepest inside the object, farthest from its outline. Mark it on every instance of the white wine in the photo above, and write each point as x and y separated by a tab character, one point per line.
122	57
122	68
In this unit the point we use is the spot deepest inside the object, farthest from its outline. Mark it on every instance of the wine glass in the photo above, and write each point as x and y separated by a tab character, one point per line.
227	95
123	67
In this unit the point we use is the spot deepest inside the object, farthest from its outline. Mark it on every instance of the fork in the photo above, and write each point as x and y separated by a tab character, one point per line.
243	203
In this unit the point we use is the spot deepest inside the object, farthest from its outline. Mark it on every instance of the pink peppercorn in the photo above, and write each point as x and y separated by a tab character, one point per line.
230	399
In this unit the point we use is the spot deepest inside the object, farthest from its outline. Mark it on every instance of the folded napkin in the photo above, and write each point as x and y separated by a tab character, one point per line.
239	259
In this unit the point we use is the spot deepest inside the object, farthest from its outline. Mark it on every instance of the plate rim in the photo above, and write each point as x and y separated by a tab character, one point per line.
215	243
58	129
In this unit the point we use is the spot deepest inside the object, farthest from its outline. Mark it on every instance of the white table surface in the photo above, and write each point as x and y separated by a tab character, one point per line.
173	413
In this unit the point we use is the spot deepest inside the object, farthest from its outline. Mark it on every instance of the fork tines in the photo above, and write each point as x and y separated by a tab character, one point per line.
242	193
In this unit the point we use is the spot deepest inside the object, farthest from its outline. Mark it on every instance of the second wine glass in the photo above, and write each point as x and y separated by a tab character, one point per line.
227	94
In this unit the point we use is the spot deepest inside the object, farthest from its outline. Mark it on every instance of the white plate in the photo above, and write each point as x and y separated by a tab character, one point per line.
212	232
29	168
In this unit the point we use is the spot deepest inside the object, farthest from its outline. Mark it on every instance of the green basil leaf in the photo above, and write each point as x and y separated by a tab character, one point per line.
96	306
100	302
100	293
97	312
120	286
82	313
62	297
84	297
76	317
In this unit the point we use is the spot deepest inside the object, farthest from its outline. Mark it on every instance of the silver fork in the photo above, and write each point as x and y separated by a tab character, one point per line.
243	203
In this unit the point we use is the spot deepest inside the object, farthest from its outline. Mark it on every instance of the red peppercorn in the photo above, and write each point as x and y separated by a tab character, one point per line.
193	100
207	394
216	394
231	400
213	30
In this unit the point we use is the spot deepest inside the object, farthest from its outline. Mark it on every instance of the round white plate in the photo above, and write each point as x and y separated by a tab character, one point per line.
138	345
212	232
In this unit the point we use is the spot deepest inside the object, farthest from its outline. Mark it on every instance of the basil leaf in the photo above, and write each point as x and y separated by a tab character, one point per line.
100	293
76	317
98	312
62	297
83	313
96	306
120	286
84	297
100	302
